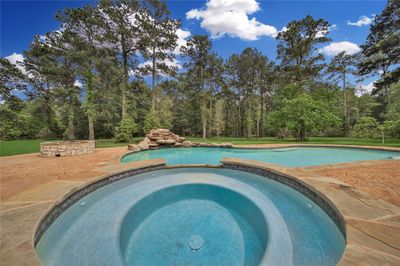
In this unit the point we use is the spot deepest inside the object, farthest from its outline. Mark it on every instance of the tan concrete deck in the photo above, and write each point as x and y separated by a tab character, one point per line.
366	193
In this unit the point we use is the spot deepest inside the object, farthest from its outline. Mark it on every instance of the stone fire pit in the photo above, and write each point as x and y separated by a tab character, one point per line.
66	148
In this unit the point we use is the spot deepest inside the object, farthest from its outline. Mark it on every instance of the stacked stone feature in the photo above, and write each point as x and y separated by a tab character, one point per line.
164	138
157	138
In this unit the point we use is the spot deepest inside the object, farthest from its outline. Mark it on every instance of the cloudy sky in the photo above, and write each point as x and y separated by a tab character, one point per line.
232	24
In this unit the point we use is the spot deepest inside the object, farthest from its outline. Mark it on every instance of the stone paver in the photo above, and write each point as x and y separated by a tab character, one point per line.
366	193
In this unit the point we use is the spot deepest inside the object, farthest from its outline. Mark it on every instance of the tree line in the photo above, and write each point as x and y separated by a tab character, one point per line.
87	80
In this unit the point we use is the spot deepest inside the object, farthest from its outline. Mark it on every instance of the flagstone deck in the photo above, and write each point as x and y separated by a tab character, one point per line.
366	193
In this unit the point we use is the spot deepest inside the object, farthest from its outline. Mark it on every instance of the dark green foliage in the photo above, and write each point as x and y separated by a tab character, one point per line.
381	52
125	130
89	78
297	47
151	121
366	127
302	116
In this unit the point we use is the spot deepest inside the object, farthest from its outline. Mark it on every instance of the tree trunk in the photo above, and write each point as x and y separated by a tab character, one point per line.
302	133
204	130
91	130
346	121
249	131
387	96
262	111
124	88
226	120
386	89
153	79
258	126
89	103
70	131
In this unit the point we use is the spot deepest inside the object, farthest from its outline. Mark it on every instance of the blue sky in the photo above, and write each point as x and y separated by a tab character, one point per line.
233	26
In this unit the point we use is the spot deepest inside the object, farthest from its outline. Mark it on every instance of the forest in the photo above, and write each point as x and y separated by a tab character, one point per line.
110	72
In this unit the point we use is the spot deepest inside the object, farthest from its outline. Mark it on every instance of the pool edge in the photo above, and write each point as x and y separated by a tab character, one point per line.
67	200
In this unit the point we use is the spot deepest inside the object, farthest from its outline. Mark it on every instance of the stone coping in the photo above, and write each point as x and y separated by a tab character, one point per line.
372	221
66	142
280	146
354	224
270	171
294	145
75	194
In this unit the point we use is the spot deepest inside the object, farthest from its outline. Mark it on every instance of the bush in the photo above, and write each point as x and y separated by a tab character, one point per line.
366	127
392	128
151	121
125	130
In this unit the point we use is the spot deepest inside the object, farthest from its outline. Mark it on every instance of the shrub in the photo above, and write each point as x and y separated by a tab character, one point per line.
125	130
366	127
151	121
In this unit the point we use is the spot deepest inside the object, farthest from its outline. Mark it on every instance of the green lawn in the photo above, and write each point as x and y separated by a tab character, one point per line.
312	140
14	147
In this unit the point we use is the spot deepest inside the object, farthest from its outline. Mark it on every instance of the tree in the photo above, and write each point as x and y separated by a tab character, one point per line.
302	115
125	130
44	75
11	78
85	30
297	49
339	68
164	111
366	127
198	52
123	32
381	52
219	117
158	40
151	121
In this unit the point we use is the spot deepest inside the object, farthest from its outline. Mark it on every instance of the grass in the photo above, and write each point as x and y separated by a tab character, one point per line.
14	147
312	140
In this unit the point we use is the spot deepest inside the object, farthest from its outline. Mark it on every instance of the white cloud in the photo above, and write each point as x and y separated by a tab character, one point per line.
174	63
148	64
338	47
78	84
325	32
17	59
362	21
230	17
365	89
182	36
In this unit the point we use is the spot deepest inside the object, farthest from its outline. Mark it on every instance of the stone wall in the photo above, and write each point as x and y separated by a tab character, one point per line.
66	148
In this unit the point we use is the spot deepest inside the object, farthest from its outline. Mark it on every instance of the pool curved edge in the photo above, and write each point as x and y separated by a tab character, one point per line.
75	194
270	171
262	169
282	146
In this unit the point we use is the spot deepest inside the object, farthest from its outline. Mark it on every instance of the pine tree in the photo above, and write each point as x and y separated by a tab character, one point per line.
340	67
381	52
122	32
158	40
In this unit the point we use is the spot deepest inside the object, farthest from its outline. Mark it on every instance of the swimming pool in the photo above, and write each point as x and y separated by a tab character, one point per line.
291	157
196	216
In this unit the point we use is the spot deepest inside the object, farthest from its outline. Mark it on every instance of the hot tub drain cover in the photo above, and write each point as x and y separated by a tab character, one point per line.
195	242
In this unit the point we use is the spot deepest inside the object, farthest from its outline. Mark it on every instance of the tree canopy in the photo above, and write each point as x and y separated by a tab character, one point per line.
89	80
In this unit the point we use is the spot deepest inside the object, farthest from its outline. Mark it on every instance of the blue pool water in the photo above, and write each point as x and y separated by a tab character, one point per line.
292	157
192	216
